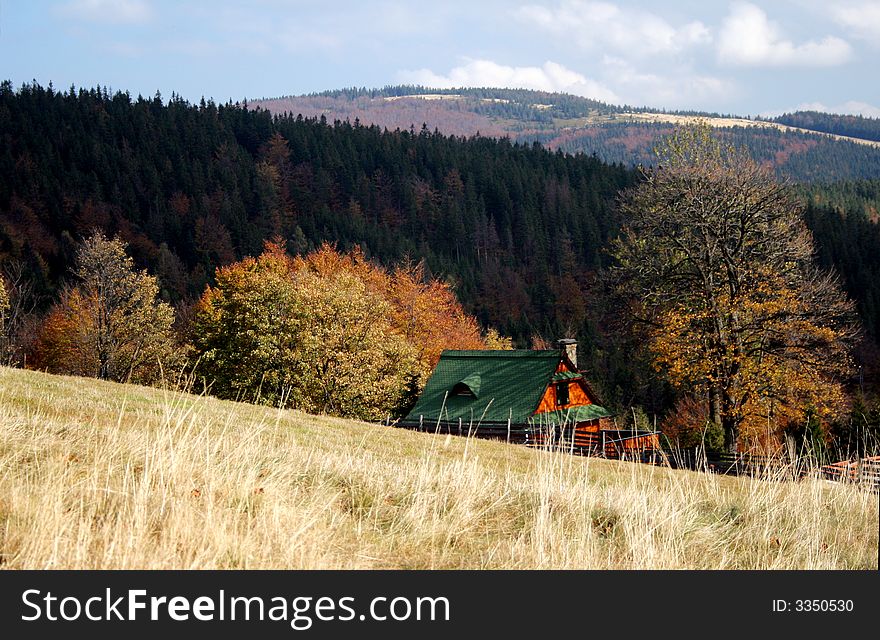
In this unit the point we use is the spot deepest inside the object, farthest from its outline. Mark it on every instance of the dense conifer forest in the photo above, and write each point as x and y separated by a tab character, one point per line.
191	187
842	125
800	157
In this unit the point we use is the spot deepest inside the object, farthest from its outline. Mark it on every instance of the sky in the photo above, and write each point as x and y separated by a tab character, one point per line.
745	57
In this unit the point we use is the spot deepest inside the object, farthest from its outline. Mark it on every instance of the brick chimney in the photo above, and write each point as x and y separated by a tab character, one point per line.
570	348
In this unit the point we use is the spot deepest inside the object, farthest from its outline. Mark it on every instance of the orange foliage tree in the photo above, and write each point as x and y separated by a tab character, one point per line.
424	311
327	332
5	307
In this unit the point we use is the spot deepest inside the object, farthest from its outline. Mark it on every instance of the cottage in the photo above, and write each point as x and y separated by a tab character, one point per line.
528	396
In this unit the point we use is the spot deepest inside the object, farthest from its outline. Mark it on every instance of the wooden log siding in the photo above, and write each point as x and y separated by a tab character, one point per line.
577	397
583	439
618	444
579	393
589	438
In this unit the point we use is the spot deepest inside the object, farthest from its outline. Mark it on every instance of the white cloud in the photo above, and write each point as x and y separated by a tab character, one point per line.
861	19
748	38
852	107
606	26
624	83
112	11
550	76
681	88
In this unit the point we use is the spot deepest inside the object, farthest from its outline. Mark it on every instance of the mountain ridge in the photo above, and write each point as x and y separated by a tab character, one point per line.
794	144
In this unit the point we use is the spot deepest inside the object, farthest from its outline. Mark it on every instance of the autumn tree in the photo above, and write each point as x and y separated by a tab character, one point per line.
326	332
273	175
425	311
272	330
110	324
688	425
721	262
18	317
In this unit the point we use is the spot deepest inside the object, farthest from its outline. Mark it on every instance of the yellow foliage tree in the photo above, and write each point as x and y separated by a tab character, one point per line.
721	262
327	332
111	324
5	308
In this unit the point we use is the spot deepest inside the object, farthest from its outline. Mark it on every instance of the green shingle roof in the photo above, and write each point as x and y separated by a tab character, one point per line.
472	383
511	384
503	384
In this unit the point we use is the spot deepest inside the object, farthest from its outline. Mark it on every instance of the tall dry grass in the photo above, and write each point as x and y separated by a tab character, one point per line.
97	475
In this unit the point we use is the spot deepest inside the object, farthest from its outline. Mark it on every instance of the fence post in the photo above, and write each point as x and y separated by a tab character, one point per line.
791	448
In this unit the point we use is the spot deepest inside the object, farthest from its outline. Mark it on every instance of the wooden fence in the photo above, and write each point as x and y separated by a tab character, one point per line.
696	459
607	443
864	471
644	447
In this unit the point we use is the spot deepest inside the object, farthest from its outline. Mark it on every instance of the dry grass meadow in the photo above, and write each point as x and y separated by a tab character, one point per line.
96	475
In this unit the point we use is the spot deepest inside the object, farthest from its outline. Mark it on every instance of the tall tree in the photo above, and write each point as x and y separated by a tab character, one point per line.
18	317
718	255
5	308
111	324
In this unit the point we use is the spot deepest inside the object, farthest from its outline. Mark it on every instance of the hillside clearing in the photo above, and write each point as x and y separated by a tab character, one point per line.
669	118
727	123
96	475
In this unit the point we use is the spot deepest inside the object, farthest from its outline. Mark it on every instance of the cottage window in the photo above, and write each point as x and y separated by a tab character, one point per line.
562	393
462	389
469	387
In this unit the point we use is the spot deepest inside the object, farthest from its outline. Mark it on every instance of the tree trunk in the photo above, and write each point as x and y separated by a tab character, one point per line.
730	425
715	405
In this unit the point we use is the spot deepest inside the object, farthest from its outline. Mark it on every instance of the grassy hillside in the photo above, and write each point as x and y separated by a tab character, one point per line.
100	475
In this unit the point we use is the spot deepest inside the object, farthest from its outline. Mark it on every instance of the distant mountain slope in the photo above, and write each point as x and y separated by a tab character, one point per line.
850	126
460	112
803	147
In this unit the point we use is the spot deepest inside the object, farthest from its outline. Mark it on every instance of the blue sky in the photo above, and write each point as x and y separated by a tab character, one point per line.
748	58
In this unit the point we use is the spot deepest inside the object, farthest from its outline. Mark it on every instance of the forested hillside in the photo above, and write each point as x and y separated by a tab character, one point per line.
796	156
842	125
519	231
